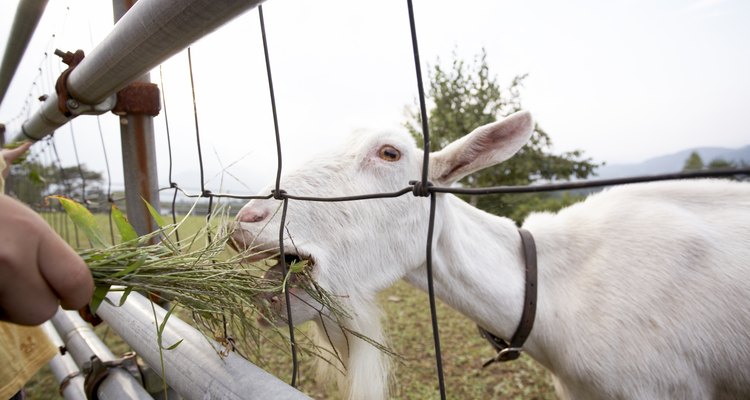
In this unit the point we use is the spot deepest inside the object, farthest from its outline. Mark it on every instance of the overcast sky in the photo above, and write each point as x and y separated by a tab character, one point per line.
621	80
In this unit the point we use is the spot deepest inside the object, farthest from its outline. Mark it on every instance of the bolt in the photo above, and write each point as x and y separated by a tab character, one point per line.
72	104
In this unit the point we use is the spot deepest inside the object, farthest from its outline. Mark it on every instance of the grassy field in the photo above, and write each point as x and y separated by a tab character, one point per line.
409	328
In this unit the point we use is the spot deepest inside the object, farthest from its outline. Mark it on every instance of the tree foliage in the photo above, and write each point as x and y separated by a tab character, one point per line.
694	162
720	163
33	181
466	96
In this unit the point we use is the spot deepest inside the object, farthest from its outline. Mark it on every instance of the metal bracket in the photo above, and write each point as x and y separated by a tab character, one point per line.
76	108
69	106
97	370
66	381
138	98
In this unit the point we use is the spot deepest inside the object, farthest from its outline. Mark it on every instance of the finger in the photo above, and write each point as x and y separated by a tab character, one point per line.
29	300
12	154
25	296
65	272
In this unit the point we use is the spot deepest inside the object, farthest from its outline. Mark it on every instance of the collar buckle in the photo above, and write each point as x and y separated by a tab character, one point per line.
506	354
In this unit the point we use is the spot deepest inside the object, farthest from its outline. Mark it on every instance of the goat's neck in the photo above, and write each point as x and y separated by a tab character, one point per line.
478	267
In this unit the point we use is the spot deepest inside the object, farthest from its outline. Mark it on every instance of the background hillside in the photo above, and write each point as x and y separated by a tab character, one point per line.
673	162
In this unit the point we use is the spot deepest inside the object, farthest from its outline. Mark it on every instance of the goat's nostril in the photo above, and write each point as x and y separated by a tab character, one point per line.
251	215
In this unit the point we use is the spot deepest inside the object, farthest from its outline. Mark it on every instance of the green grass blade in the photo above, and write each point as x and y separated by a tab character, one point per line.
84	220
127	232
174	346
159	220
99	294
131	268
125	295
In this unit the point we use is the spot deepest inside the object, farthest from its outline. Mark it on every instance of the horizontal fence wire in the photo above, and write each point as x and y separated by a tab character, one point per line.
547	187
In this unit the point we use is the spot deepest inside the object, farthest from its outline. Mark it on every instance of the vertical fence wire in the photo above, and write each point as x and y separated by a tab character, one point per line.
279	159
110	200
197	127
422	190
65	183
79	168
279	195
172	183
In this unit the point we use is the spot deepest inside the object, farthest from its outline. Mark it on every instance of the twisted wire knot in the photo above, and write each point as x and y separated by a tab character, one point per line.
279	195
420	189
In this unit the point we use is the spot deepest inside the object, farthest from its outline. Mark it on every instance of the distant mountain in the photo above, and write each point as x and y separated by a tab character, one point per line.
673	162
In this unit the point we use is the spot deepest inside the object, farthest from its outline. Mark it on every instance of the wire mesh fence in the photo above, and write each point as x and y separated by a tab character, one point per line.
44	163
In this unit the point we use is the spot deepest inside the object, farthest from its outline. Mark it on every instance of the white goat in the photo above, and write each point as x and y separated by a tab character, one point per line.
643	290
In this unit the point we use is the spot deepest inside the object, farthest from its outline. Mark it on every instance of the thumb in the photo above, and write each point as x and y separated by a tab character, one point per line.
11	155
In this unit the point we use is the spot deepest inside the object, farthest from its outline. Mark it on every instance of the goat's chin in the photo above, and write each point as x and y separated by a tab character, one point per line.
303	309
365	372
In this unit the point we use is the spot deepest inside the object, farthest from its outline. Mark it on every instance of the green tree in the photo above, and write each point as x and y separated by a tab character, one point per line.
467	95
32	181
720	163
694	162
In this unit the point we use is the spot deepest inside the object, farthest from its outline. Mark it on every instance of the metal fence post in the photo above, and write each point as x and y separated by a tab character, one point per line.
138	154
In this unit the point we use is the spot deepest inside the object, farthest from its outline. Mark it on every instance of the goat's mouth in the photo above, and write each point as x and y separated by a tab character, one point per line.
297	264
296	281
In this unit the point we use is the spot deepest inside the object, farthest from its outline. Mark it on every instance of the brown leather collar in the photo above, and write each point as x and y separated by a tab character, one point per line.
511	351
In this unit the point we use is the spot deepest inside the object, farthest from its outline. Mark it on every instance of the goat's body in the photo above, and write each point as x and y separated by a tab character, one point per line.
644	290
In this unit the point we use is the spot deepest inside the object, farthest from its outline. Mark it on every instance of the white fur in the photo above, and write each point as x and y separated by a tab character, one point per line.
644	290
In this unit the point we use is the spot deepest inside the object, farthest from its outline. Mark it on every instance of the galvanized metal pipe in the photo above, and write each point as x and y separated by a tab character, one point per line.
148	34
82	343
64	368
194	368
138	154
28	14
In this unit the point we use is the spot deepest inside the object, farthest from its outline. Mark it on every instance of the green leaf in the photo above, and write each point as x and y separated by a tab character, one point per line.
99	294
84	220
127	232
131	268
163	325
298	266
36	178
166	317
174	346
125	295
155	214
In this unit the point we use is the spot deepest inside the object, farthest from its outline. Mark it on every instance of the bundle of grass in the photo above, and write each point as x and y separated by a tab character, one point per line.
221	293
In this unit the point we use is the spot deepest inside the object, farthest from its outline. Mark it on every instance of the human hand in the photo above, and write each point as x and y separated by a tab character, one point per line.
11	155
38	270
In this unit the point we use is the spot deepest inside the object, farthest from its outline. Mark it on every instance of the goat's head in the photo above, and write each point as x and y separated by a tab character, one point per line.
357	248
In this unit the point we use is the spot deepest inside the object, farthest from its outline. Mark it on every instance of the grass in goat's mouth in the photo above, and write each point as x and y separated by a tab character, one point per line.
295	264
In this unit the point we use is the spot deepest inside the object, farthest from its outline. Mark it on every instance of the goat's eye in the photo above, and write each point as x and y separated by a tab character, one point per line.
390	153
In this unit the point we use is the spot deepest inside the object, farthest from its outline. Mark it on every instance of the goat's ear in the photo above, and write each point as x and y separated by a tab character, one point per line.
484	147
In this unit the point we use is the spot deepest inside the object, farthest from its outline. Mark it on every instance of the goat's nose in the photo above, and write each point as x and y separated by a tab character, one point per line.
252	215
